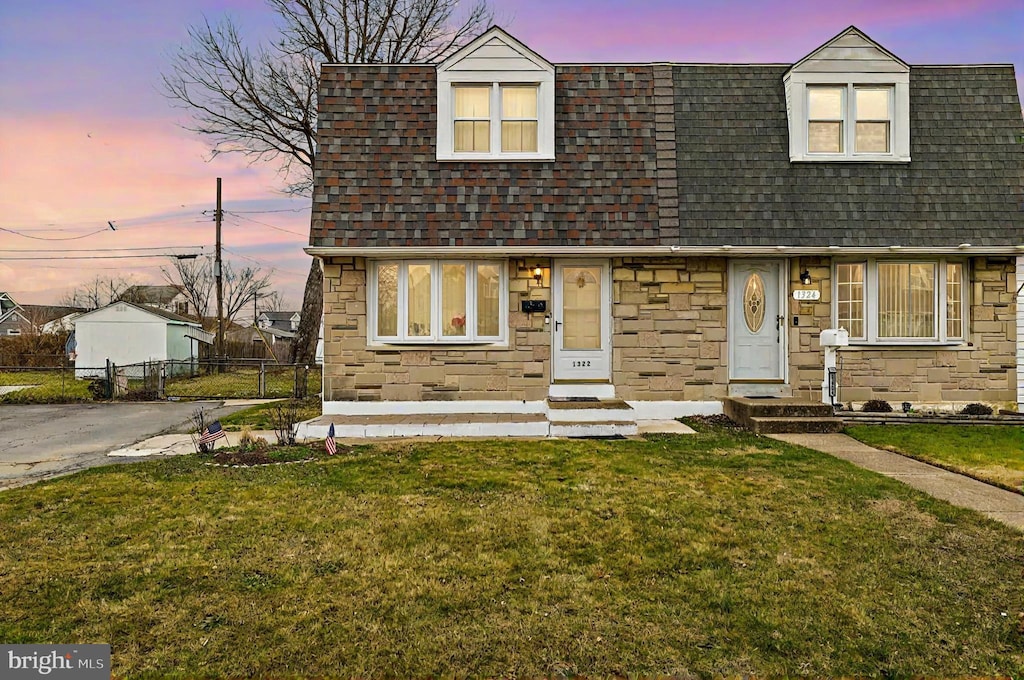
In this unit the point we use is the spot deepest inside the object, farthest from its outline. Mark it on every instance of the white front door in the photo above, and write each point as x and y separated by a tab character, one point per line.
757	323
581	322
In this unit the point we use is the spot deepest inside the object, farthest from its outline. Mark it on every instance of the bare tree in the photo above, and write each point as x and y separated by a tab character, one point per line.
262	102
96	293
196	279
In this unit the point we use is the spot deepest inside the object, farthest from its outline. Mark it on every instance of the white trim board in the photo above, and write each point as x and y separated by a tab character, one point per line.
643	410
1019	280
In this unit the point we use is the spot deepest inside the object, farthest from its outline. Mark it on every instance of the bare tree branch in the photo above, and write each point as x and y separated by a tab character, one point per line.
261	101
197	281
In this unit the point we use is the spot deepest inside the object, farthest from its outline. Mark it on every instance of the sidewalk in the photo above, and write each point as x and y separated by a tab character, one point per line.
181	444
999	504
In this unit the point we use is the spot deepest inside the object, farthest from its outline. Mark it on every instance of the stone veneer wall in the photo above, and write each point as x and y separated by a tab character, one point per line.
669	335
669	341
668	344
983	371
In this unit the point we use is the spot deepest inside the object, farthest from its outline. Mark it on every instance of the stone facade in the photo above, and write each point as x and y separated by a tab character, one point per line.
669	341
982	370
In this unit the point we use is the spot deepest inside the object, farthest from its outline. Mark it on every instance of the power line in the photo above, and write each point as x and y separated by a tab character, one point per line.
271	226
40	238
265	263
92	257
262	212
98	250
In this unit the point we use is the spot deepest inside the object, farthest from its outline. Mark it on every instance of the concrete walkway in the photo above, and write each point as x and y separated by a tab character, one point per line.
999	504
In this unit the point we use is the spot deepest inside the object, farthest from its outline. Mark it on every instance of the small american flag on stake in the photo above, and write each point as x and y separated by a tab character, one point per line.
212	433
332	447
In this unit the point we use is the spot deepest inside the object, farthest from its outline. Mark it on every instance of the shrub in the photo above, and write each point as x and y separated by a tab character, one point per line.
976	410
876	406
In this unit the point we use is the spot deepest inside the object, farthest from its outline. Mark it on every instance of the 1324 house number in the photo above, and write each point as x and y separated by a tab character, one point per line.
581	364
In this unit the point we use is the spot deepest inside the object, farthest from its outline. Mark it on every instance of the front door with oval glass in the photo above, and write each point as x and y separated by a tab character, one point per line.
581	322
757	325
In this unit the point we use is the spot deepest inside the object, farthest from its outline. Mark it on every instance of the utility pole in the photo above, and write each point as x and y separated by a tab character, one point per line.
218	275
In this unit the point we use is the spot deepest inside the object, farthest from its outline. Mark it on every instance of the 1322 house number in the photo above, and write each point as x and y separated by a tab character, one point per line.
581	364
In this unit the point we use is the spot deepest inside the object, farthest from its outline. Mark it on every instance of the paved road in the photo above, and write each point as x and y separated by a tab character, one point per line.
37	442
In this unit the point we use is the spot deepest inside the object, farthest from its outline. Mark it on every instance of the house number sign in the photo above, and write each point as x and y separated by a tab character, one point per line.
806	294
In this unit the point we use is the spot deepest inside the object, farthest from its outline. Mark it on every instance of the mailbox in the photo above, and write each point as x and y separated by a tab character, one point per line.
531	306
835	337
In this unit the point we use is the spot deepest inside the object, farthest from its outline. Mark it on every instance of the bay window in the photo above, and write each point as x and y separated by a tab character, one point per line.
889	301
438	301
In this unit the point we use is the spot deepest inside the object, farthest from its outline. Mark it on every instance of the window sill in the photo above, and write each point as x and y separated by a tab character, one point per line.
433	344
864	158
862	345
495	158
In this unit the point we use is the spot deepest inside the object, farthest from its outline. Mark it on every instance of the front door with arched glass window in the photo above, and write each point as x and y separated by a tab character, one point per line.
757	323
581	322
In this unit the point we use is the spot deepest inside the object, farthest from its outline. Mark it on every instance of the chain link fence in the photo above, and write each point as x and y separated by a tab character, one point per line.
159	380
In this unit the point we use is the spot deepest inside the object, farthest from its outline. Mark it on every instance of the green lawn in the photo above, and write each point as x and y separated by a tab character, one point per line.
261	416
241	383
49	386
713	554
991	453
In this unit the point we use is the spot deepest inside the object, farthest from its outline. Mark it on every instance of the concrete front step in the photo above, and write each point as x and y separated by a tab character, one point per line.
453	425
579	411
607	428
779	425
741	408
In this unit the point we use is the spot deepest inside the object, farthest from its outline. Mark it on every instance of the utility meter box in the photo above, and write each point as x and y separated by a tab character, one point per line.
835	337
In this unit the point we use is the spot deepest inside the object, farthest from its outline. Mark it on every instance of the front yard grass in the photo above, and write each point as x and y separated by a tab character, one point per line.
261	416
719	553
49	386
242	383
992	453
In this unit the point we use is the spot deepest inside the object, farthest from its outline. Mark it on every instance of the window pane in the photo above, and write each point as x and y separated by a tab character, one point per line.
472	135
473	102
453	300
488	300
850	289
825	103
581	308
954	300
518	136
872	104
387	300
872	138
419	300
906	300
518	102
825	137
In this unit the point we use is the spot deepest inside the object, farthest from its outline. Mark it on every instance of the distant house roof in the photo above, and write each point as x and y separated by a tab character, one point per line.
7	305
153	295
279	321
40	314
163	313
279	316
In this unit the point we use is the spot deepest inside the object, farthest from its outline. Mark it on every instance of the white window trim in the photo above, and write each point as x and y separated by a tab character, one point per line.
899	121
13	331
435	338
545	84
871	303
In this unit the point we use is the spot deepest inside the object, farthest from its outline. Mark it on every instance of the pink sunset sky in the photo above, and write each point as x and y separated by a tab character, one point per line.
86	136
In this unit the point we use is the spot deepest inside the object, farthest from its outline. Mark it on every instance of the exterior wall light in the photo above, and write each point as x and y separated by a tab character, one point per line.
805	277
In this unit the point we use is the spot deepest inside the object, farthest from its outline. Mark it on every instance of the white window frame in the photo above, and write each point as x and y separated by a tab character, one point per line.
899	115
940	336
435	337
13	331
545	116
848	123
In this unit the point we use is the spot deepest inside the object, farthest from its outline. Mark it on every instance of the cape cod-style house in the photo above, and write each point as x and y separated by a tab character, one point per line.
499	233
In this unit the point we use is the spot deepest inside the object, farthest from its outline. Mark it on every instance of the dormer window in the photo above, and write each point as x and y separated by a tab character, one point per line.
829	107
495	101
849	100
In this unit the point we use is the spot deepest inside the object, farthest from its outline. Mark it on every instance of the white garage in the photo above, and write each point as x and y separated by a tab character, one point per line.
129	333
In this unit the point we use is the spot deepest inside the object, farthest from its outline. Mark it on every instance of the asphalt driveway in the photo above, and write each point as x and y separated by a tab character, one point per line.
37	442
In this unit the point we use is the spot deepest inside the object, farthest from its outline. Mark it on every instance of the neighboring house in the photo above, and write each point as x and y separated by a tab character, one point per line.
52	318
12	317
280	321
497	231
169	298
129	333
